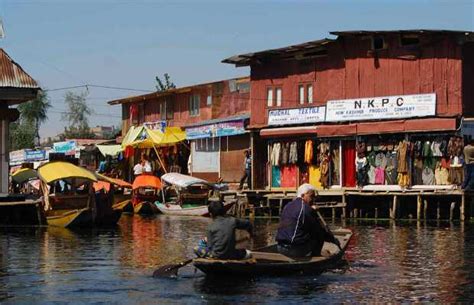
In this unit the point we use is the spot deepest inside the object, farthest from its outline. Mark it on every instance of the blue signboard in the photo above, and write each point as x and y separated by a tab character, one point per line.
35	155
67	147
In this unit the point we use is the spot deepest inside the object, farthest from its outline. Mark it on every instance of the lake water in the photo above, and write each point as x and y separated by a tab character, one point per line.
408	262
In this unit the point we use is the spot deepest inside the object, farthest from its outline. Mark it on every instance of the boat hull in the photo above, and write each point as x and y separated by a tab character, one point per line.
125	206
71	218
274	264
175	209
145	208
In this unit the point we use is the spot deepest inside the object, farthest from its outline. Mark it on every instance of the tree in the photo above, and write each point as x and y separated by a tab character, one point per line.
76	115
22	135
164	85
35	113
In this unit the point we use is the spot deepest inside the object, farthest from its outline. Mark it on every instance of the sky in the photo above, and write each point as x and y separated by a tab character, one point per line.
125	44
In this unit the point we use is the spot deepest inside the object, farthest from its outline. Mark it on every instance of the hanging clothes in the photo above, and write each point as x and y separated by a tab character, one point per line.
304	174
315	176
285	153
418	171
402	166
276	176
361	149
403	179
428	176
324	171
289	176
335	168
293	157
371	174
361	167
349	167
391	175
276	154
308	151
379	176
441	175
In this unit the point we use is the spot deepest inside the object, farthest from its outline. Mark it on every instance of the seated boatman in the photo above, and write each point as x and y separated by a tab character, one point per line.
221	234
301	234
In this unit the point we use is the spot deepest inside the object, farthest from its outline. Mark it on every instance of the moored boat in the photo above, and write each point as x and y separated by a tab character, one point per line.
108	190
267	261
145	191
68	194
185	195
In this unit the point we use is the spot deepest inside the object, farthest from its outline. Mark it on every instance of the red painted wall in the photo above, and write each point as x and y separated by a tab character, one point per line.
350	71
224	104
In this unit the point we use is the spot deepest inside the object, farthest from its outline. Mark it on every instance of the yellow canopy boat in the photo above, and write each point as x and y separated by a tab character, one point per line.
69	200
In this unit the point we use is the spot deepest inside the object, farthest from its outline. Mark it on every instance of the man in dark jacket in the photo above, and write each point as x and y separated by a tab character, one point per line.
221	233
300	233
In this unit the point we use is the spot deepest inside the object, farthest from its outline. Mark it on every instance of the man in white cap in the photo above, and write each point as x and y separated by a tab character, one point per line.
300	233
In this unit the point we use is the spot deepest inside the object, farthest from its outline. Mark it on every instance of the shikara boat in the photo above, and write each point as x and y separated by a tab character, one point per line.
185	195
145	189
68	195
267	261
119	190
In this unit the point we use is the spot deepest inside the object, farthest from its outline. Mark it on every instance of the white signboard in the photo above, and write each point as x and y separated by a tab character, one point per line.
296	115
378	108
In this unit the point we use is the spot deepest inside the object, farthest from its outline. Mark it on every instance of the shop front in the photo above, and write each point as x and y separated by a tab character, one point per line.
217	148
337	147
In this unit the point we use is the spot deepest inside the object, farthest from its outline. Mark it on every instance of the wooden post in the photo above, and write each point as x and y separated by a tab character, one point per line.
418	207
355	213
438	212
425	208
393	211
333	213
376	213
461	208
451	210
344	209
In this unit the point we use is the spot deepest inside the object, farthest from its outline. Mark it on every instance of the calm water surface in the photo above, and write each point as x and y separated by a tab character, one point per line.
384	262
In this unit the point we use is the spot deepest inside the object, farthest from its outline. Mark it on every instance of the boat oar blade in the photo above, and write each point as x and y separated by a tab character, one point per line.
170	270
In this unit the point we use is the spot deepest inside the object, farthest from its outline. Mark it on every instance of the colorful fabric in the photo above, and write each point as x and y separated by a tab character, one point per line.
379	176
308	152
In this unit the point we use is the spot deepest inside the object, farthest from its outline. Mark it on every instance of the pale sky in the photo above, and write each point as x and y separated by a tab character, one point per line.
127	43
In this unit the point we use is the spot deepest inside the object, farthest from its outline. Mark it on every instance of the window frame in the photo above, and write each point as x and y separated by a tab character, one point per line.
194	100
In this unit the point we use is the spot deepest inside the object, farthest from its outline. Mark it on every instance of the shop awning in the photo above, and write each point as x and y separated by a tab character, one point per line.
142	137
288	131
110	150
366	128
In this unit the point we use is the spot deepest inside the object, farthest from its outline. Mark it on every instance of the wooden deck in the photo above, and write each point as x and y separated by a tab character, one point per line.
414	203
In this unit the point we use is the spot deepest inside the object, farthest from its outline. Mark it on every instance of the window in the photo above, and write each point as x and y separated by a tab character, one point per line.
309	93
269	97
278	96
378	43
243	87
194	101
209	99
409	40
232	85
169	110
163	110
301	94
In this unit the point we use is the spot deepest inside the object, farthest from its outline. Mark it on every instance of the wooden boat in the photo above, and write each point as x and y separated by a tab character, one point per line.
267	261
68	195
145	189
185	195
108	190
122	193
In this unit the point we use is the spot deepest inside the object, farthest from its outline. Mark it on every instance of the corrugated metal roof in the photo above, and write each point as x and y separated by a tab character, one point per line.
144	97
12	74
414	31
215	121
246	59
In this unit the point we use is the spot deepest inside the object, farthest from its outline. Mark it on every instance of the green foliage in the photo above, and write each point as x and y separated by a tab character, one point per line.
166	84
77	116
22	135
33	114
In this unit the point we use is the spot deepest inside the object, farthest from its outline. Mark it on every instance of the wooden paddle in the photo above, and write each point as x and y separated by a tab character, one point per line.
327	228
171	270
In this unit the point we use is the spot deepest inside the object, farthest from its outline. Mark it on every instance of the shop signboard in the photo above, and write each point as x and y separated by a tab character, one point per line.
156	125
17	157
35	155
296	115
68	148
379	108
222	129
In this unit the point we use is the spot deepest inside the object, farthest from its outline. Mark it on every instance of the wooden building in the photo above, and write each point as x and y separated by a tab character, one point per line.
358	98
214	116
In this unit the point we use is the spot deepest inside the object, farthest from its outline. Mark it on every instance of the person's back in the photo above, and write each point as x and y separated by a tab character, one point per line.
221	233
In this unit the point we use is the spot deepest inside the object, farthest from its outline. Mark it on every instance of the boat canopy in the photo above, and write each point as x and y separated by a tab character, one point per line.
24	174
183	181
146	181
59	170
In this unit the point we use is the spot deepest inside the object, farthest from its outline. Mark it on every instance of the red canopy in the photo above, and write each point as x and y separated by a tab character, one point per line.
146	181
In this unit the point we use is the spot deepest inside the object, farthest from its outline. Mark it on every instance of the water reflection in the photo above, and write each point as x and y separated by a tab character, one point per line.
386	262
